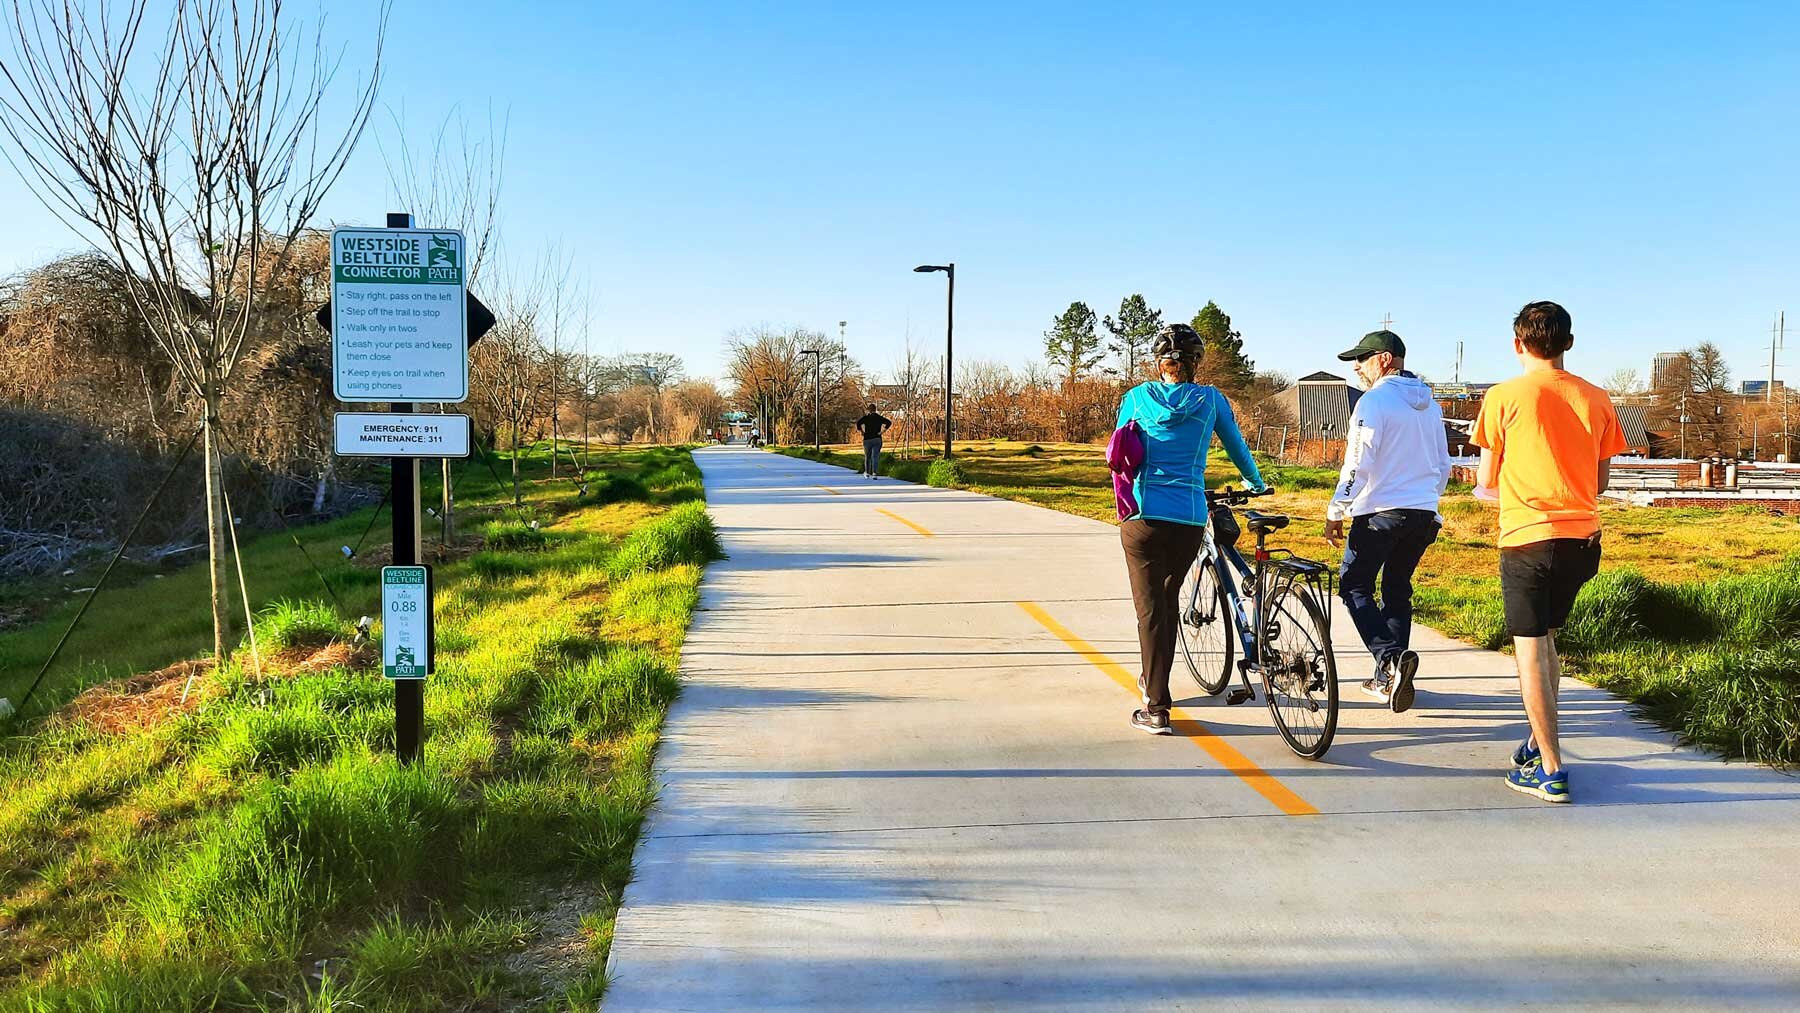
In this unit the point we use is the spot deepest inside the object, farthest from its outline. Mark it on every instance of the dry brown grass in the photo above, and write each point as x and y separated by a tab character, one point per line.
145	700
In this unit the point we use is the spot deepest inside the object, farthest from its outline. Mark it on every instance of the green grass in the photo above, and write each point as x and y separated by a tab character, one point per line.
683	535
515	530
159	620
946	474
210	857
293	625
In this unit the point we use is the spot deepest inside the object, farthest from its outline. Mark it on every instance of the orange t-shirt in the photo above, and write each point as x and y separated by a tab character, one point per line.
1550	429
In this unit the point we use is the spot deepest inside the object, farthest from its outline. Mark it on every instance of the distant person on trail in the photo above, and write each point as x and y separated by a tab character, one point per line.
1396	465
1178	419
1547	440
755	437
872	425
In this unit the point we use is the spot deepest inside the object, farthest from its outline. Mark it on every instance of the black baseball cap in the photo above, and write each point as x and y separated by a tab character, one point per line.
1375	341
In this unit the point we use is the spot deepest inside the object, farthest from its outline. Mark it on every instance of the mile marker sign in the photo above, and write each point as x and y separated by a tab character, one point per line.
399	315
406	626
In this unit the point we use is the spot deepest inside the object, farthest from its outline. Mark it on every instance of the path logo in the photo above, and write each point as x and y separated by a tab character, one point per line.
405	663
442	253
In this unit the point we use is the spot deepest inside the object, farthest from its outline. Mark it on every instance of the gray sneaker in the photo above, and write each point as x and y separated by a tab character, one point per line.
1154	724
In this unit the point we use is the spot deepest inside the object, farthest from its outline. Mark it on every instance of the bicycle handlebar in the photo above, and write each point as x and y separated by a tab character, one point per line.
1234	497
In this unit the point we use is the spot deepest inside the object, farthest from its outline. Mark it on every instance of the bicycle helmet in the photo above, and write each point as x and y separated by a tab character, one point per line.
1176	343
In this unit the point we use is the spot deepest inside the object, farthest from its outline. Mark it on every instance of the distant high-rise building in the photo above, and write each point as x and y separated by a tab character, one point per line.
1662	369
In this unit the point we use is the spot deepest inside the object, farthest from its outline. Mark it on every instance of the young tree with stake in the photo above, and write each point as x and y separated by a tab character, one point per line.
195	151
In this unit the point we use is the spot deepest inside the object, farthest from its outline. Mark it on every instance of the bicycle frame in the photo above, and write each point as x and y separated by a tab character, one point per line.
1228	579
1278	565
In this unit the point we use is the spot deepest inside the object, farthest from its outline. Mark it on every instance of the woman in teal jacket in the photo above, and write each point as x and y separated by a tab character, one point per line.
1178	418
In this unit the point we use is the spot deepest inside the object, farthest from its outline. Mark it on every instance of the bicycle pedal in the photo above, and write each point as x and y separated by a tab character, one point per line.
1238	696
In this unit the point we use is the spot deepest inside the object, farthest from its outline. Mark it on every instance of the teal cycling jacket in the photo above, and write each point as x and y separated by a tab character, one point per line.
1179	421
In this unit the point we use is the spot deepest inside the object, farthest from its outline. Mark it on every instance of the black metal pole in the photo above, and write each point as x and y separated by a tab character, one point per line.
409	694
949	335
818	361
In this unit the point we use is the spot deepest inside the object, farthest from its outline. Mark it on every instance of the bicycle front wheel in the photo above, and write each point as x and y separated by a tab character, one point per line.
1206	627
1299	672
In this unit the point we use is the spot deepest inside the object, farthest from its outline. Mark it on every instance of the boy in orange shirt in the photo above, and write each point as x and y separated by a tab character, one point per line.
1547	440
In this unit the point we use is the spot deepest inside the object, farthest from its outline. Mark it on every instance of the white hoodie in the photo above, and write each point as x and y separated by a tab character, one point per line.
1396	456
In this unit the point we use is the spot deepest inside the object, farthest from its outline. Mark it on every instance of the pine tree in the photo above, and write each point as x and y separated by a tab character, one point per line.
1072	342
1225	360
1132	334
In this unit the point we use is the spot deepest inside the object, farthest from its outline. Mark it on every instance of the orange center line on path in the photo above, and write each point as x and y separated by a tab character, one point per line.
828	489
904	521
1246	769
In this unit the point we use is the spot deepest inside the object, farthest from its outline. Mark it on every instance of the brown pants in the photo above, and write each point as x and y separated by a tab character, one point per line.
1158	555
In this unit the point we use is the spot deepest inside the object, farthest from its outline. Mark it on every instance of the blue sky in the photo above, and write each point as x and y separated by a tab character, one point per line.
711	166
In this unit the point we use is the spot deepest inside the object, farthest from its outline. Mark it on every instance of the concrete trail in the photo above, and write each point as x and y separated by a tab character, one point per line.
889	785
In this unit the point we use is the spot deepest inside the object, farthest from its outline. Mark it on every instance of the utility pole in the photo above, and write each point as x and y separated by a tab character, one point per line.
1457	377
1777	337
1684	422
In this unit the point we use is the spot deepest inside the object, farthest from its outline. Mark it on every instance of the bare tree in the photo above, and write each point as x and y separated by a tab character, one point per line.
195	159
510	366
768	371
455	186
910	377
693	408
1625	383
559	281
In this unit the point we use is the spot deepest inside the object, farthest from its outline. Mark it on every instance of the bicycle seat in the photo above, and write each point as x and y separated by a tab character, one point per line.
1262	523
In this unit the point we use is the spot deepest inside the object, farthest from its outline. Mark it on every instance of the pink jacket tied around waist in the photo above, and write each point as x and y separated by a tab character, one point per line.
1125	455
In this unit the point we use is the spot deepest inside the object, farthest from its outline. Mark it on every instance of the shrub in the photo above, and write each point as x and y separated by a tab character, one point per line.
683	535
946	474
608	487
904	470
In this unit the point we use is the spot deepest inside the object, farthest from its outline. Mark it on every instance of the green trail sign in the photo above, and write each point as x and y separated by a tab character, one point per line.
399	315
406	625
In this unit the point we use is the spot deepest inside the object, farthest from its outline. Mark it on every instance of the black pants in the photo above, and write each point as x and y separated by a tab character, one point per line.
1158	556
1389	543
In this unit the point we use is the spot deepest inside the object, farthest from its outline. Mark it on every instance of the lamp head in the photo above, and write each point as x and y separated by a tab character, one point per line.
928	268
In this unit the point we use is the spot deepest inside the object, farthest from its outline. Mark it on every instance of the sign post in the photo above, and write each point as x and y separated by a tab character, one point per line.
399	318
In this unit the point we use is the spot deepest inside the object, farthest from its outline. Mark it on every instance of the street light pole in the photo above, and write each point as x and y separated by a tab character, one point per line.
818	358
949	335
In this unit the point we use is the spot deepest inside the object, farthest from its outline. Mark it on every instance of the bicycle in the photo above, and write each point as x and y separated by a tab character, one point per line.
1284	629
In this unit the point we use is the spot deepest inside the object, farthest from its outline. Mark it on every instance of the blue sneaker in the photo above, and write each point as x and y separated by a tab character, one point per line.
1533	780
1527	754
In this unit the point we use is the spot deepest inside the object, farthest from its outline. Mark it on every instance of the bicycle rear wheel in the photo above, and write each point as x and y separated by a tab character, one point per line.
1299	672
1206	626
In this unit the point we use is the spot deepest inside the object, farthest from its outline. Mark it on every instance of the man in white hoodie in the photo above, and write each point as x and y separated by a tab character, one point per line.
1396	465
